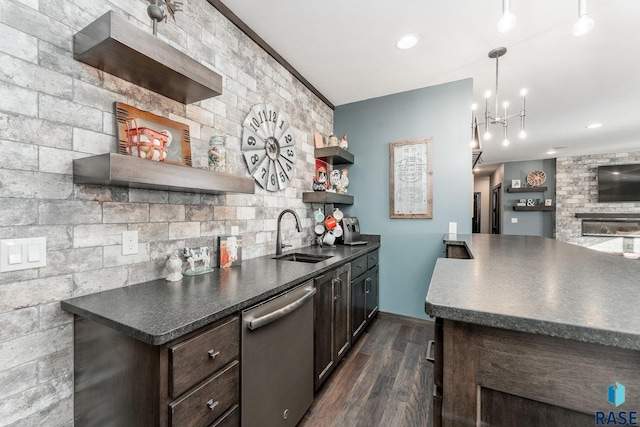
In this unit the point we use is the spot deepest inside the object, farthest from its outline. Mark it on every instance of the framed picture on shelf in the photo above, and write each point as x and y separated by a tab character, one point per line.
548	202
515	183
178	152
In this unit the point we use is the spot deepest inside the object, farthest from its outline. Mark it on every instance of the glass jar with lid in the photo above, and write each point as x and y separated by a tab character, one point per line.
217	154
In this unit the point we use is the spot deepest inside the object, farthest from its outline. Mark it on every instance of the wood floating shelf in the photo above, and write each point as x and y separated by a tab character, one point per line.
126	171
113	44
608	215
327	197
535	208
334	155
527	190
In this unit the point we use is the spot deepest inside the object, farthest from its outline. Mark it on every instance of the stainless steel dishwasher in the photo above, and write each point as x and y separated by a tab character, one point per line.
277	359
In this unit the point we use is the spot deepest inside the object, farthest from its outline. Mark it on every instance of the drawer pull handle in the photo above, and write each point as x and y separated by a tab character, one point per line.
213	354
211	404
431	350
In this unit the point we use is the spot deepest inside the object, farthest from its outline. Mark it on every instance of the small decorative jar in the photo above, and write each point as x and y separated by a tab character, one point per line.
217	154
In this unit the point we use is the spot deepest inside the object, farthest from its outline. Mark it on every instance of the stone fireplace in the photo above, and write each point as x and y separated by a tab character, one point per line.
581	219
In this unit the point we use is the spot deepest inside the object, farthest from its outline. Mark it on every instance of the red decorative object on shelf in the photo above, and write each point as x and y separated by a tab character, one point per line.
145	142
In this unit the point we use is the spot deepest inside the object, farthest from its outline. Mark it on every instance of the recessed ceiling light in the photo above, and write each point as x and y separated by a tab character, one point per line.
407	41
594	125
551	152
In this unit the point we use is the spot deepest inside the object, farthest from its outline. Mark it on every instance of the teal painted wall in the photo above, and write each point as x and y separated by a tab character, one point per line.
410	247
529	223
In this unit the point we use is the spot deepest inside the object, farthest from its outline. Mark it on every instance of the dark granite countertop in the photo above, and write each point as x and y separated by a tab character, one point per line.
539	285
158	311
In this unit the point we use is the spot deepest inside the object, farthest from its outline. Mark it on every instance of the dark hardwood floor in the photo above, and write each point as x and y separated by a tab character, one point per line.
384	380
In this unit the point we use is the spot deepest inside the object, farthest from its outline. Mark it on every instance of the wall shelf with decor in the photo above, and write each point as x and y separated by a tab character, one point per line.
126	171
334	155
527	190
535	208
331	156
327	197
113	44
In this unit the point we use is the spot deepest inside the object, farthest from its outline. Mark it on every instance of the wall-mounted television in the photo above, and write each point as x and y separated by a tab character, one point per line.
619	183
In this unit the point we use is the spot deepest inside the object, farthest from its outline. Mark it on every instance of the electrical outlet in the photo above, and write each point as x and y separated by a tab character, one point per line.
129	242
514	220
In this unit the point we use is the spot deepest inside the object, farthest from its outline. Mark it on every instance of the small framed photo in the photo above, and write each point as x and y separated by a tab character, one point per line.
548	202
229	251
515	183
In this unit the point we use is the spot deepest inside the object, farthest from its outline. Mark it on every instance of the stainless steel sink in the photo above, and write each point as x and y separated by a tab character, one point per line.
300	257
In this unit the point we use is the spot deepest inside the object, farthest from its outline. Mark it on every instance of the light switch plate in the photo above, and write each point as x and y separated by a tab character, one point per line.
514	220
453	228
22	254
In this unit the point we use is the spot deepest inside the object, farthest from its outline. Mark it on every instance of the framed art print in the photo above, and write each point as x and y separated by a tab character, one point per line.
178	153
229	251
411	179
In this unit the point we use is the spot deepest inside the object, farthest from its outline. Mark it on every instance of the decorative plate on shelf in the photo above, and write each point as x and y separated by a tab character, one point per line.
536	178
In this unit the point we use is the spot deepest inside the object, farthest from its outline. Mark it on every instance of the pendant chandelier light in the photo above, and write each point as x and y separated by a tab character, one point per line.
585	22
508	19
582	26
496	118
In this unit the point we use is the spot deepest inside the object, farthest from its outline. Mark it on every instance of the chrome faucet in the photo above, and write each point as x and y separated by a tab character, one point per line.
279	244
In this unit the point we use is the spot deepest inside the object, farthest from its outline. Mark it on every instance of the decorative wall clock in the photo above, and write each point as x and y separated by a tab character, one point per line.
268	146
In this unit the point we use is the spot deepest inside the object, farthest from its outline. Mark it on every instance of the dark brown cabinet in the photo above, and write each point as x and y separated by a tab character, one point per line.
191	381
331	331
364	292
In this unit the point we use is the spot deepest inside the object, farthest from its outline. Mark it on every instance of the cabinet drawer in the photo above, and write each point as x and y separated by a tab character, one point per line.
195	359
372	259
231	418
358	266
209	400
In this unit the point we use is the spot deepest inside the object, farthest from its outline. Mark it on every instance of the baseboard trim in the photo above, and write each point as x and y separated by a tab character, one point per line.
392	317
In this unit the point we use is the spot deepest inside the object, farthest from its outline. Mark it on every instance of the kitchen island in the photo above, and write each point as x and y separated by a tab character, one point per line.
531	331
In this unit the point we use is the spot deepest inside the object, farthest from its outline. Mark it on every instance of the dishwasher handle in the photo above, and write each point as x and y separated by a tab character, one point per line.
281	312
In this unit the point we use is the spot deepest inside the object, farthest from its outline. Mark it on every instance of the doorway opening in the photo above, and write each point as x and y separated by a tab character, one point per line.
496	203
475	224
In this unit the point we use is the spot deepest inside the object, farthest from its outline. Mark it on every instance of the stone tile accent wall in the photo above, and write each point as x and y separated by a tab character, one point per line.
54	109
577	192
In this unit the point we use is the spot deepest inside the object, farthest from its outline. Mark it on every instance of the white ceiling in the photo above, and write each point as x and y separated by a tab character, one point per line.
346	50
